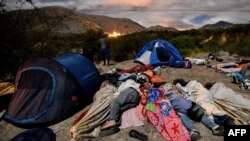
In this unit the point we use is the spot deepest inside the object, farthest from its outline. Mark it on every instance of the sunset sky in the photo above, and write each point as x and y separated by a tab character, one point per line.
182	14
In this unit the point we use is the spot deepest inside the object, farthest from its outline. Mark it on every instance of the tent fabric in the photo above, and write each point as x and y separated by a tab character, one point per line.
159	52
46	92
83	70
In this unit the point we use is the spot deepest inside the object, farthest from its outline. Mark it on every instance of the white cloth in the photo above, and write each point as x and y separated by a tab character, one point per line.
237	104
128	84
220	92
200	95
197	61
229	70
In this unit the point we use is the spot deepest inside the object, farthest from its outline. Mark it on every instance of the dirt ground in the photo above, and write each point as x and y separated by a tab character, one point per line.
200	73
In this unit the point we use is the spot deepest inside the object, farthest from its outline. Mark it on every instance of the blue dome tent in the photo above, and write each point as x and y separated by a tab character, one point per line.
159	52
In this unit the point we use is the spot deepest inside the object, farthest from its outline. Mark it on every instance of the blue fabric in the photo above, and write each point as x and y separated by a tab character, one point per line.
105	56
208	122
174	55
127	99
237	77
49	101
179	104
165	108
46	93
83	70
187	122
154	93
105	53
220	120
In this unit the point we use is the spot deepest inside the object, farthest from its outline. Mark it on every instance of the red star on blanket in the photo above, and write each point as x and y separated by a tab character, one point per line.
175	128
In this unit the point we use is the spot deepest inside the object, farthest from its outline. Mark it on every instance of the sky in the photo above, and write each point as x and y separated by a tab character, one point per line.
182	14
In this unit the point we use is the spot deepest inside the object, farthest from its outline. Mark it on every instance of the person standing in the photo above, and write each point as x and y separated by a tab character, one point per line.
105	54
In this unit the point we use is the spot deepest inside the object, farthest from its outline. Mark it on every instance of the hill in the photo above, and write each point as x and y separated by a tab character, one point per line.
218	25
161	28
110	25
67	21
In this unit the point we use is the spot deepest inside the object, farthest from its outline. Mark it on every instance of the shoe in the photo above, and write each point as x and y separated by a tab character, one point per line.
138	135
219	131
109	131
195	135
229	121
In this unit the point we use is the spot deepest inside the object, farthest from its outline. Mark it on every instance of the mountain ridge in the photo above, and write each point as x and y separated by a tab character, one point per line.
161	28
75	22
218	25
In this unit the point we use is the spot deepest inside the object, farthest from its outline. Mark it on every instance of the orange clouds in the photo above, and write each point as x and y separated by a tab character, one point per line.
135	3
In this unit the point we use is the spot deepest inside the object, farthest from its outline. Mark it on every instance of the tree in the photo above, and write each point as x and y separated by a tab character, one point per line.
90	44
24	34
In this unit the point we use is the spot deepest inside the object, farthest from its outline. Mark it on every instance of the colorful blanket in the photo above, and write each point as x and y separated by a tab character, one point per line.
160	113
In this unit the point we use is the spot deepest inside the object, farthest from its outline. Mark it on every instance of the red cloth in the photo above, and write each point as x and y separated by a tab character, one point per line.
136	68
84	112
165	121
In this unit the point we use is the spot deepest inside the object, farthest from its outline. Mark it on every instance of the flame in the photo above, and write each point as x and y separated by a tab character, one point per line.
114	34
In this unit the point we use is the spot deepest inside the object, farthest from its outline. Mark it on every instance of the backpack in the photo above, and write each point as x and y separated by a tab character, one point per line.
38	134
187	64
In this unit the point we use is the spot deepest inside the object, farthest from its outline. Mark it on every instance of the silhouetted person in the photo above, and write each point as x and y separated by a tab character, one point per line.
105	54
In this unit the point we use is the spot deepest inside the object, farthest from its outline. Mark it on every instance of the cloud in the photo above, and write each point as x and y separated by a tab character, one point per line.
200	19
130	3
53	0
177	13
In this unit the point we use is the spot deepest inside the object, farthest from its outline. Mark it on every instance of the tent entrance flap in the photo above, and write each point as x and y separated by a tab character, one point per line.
162	54
145	58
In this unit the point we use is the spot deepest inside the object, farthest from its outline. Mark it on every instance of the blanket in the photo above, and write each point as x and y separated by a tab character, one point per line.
232	103
160	113
89	125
